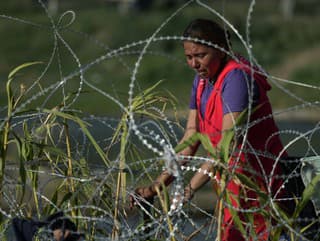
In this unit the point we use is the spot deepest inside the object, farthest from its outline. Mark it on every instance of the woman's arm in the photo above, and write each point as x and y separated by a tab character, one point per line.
165	177
199	179
191	128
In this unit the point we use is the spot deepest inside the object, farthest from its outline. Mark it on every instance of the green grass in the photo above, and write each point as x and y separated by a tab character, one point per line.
309	74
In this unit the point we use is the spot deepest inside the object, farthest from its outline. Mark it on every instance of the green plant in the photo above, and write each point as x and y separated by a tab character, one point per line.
142	106
7	135
38	147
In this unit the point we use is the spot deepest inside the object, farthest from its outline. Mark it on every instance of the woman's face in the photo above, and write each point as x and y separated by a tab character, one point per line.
203	59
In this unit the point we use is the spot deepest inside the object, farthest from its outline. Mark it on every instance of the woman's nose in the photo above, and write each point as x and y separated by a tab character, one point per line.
194	63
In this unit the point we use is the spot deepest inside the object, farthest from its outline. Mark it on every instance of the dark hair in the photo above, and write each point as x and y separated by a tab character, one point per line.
208	30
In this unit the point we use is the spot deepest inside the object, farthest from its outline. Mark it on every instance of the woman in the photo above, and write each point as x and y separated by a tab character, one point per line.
223	88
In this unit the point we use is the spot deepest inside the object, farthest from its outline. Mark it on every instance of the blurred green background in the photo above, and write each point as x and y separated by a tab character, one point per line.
284	38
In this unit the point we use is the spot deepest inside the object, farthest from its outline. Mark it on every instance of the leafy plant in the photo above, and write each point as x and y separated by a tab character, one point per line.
142	106
8	136
37	147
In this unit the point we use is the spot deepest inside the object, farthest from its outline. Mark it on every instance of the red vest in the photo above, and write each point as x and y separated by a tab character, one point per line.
259	135
262	136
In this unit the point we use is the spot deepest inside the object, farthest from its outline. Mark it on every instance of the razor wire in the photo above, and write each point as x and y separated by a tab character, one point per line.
153	142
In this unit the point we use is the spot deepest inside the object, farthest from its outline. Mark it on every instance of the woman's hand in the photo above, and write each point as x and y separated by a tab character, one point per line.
188	193
146	193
